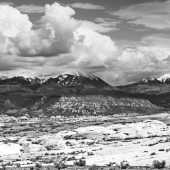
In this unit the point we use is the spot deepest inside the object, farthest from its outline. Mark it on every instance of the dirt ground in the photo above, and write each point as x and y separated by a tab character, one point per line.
46	140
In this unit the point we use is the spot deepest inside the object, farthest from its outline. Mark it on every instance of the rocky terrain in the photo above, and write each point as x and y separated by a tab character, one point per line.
76	118
101	140
26	92
92	105
77	105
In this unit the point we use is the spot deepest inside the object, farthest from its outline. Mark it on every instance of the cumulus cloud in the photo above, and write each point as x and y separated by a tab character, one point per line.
31	8
88	6
150	14
12	21
63	42
93	49
53	38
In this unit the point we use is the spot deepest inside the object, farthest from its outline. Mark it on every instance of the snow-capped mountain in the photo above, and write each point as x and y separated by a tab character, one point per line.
3	78
72	79
150	80
66	79
45	77
165	79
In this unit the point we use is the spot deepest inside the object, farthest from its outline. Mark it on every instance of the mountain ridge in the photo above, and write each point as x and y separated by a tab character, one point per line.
164	79
26	91
65	83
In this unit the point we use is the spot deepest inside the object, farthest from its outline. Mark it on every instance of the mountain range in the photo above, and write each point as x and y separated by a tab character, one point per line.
71	78
65	79
45	90
150	85
165	79
80	83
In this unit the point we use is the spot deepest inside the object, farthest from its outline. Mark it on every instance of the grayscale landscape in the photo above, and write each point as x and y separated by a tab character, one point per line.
86	120
84	85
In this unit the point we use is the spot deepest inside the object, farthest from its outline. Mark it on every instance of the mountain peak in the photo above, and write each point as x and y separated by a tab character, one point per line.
2	76
149	80
79	74
164	78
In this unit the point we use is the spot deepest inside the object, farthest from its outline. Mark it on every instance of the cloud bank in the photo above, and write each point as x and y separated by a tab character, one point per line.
87	6
53	38
31	8
63	43
151	14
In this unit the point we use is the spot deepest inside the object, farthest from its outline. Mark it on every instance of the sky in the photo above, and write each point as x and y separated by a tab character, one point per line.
121	41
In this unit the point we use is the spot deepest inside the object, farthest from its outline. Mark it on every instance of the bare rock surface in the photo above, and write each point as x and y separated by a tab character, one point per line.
138	143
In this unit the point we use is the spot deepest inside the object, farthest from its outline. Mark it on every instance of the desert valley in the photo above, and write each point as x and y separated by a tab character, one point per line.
77	120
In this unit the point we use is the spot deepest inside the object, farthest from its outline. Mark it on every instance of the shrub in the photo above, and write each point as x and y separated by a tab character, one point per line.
3	167
71	158
112	164
38	166
158	165
167	150
18	165
153	154
37	158
9	164
90	153
60	165
47	161
94	167
80	162
124	164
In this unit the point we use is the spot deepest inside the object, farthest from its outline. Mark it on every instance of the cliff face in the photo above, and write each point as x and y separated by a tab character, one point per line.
91	95
80	105
101	105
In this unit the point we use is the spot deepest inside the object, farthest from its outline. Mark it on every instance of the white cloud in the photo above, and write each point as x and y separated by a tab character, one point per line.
88	6
53	38
7	3
151	14
93	49
12	21
31	8
63	42
102	25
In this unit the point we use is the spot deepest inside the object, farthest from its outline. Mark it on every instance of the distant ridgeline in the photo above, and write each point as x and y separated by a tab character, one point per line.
91	94
83	105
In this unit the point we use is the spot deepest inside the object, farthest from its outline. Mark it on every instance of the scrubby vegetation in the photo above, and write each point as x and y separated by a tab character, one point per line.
158	164
124	164
80	162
